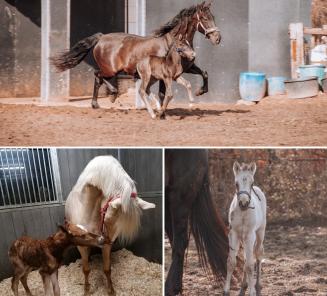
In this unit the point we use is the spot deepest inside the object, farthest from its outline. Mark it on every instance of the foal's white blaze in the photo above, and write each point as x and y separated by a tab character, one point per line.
247	219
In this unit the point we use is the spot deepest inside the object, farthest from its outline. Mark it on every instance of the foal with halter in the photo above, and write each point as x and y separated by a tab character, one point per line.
247	220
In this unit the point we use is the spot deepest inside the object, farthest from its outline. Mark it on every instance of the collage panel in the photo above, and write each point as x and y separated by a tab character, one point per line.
108	202
245	221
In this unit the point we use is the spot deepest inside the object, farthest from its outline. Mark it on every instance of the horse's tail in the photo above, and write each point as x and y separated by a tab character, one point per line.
72	57
210	233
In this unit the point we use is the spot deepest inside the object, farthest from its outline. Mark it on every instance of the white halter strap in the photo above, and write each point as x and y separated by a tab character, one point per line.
206	31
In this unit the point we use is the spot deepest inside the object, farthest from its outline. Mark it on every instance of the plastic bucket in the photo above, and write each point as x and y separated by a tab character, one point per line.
252	86
276	86
312	70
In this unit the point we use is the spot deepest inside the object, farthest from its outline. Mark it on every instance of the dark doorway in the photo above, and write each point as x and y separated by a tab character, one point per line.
89	17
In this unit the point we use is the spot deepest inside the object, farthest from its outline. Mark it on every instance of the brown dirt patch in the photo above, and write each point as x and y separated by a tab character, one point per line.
295	264
272	122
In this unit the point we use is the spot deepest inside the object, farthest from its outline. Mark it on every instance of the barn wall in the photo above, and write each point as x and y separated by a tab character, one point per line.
20	50
269	49
222	62
294	181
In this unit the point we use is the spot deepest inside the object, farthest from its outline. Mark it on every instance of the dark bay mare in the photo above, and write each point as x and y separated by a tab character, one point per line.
120	52
188	205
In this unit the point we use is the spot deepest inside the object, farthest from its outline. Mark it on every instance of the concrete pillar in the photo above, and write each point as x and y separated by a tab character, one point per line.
55	34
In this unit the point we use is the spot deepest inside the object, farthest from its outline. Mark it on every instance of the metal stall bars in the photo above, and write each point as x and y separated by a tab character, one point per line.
28	177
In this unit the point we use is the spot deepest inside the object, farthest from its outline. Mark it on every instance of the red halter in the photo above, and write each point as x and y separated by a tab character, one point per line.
104	209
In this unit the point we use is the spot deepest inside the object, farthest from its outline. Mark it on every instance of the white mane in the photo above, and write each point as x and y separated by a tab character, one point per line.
107	174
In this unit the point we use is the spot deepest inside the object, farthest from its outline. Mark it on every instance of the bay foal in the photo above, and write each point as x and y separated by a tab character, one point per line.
168	68
247	220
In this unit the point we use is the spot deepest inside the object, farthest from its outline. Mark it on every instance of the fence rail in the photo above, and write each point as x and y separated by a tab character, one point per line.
26	177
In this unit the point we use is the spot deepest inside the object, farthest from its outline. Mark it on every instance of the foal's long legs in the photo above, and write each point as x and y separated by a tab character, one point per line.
168	97
55	283
249	261
258	252
143	94
179	222
85	252
24	282
234	245
182	81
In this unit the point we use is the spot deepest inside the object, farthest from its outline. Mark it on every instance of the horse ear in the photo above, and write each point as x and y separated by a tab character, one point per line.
62	228
236	168
201	5
144	204
252	167
208	3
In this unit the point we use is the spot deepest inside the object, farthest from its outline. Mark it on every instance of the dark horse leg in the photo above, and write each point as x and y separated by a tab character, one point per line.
177	233
194	69
98	81
162	91
111	83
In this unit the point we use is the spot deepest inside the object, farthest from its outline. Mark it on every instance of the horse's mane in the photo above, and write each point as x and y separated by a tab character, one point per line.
177	20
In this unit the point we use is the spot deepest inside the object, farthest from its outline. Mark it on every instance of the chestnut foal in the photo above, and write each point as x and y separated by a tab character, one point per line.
169	68
28	254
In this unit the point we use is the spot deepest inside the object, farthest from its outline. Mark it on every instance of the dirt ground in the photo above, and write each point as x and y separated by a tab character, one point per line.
131	276
272	122
295	264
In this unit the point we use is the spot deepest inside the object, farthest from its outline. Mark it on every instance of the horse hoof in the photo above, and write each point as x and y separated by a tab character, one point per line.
200	92
111	292
95	105
191	105
153	116
162	116
226	293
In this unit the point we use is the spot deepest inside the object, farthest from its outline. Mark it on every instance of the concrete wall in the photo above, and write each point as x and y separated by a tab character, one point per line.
20	48
269	49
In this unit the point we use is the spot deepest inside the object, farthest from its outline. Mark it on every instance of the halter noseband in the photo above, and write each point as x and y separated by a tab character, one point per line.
238	193
205	30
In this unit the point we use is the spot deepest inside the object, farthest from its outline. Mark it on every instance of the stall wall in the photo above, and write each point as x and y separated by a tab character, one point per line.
20	48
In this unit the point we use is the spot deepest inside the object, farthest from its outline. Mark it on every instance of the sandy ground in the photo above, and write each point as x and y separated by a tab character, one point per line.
295	264
272	122
131	276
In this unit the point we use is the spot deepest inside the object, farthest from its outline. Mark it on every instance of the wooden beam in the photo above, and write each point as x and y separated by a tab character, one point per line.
297	48
315	31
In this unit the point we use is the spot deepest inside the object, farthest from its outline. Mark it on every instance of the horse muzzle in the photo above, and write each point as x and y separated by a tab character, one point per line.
215	37
243	206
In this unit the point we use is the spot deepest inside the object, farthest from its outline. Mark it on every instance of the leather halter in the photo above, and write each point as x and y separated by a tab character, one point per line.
104	210
205	30
238	193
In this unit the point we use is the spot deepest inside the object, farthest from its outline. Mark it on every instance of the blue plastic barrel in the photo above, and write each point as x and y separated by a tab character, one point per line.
276	86
313	70
252	86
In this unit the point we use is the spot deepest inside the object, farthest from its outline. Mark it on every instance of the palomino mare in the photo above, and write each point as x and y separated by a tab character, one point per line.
247	219
169	68
104	201
117	52
188	203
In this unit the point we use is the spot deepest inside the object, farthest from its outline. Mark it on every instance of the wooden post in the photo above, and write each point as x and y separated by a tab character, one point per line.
297	48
